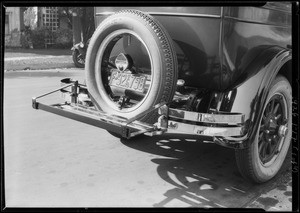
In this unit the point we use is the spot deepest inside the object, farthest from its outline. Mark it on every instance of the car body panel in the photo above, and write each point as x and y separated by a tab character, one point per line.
197	52
247	31
249	96
214	44
235	52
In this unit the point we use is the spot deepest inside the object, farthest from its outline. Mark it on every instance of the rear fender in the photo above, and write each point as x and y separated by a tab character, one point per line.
248	96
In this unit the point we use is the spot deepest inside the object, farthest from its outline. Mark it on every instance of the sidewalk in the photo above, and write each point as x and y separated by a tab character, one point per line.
37	59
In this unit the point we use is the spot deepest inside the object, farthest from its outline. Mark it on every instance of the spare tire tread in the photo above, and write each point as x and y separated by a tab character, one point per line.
168	55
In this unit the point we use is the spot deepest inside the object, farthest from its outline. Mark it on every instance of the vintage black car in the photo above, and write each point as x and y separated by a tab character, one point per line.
223	73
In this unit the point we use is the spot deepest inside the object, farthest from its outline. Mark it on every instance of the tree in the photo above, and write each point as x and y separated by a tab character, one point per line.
67	12
84	17
30	17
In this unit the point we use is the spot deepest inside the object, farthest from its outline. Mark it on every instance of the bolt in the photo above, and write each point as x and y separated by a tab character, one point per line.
267	131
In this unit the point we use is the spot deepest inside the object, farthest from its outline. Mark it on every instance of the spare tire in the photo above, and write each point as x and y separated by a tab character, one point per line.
131	65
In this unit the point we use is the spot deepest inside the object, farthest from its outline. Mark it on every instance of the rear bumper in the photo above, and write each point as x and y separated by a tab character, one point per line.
226	129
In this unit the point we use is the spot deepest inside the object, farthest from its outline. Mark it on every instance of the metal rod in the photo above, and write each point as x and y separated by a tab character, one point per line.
74	91
48	93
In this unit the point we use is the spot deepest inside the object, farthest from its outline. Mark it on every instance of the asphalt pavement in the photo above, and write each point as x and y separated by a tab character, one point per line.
51	161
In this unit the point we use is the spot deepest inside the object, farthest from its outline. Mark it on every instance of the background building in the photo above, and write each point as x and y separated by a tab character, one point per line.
14	24
67	24
48	17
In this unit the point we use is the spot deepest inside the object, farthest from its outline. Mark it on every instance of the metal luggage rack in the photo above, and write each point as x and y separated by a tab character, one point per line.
226	129
74	109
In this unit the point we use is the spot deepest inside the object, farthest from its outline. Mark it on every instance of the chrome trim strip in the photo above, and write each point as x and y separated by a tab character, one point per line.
170	14
176	127
268	7
255	22
233	119
221	47
185	14
104	13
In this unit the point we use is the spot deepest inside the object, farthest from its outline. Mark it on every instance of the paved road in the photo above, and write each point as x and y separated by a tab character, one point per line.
51	161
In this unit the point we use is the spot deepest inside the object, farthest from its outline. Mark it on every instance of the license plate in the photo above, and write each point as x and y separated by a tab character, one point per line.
127	81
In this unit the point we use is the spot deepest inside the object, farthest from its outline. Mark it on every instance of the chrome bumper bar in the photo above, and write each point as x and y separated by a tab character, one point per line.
227	129
220	118
175	126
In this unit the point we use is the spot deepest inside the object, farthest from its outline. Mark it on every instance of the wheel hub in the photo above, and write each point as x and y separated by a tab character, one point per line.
271	124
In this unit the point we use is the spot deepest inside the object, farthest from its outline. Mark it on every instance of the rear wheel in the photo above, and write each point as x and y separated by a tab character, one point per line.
265	156
131	65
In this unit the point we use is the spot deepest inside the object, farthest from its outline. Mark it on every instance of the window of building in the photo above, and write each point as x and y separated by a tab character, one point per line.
50	19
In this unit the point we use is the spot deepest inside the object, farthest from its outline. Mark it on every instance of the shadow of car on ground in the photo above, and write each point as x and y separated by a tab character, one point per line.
203	174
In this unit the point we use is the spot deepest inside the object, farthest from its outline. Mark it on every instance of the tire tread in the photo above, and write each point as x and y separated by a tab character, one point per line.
243	156
169	64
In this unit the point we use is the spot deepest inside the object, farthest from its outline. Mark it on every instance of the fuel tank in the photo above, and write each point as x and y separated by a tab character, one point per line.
215	44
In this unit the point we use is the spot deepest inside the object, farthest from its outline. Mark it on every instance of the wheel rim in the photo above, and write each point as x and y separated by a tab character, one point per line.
129	44
273	130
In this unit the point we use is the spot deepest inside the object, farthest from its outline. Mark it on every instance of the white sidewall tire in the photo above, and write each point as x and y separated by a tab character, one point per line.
162	53
248	160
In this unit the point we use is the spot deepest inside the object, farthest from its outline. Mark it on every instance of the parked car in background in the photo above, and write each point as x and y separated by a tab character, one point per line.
79	53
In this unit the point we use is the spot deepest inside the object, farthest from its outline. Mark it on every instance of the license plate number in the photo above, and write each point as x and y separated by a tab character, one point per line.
127	81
